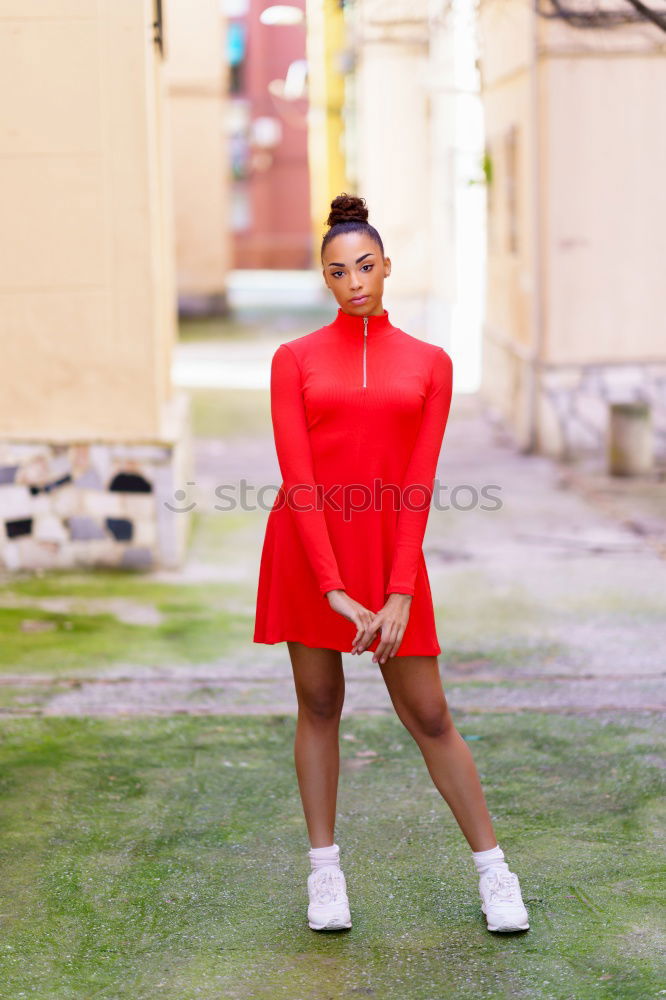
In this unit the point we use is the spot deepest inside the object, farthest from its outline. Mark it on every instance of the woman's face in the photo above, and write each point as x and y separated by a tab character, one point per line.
355	269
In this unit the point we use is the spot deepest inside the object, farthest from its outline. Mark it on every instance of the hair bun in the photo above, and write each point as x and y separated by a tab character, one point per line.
347	208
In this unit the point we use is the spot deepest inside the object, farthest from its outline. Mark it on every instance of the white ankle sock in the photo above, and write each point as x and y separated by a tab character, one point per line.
320	856
492	858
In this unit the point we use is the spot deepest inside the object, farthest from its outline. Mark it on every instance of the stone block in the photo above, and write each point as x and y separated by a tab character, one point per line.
35	471
49	528
13	451
85	529
67	501
135	557
145	533
79	459
96	552
101	504
90	479
15	502
10	554
126	479
624	383
593	410
39	554
100	461
121	528
138	505
152	454
59	465
41	504
164	481
7	473
19	527
65	560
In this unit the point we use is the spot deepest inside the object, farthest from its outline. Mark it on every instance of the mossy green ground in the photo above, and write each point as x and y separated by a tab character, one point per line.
167	858
197	623
216	414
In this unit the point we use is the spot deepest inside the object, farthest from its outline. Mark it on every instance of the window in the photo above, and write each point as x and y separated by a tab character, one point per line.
236	48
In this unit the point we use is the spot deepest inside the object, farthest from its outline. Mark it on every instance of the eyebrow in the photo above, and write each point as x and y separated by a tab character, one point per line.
357	261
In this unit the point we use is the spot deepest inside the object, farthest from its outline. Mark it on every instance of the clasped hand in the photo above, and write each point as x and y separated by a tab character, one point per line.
390	622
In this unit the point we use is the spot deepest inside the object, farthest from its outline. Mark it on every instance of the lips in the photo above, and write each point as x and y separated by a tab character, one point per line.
359	301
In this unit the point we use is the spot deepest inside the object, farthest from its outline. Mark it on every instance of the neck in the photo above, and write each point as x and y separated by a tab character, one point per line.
376	324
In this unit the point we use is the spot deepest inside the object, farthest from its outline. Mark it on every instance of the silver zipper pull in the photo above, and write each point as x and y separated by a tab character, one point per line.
365	341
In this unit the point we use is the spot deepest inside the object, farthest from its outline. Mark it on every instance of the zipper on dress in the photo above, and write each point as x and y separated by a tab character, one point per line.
365	341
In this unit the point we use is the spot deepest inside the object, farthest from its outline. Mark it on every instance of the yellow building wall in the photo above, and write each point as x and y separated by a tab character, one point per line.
325	38
87	317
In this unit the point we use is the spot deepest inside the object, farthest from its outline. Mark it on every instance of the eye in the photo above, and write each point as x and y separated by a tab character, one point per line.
334	274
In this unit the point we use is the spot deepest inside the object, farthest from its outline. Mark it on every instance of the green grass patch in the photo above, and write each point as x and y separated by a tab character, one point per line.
230	413
198	623
252	322
166	857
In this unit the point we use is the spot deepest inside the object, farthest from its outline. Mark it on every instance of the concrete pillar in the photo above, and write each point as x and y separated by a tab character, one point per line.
630	443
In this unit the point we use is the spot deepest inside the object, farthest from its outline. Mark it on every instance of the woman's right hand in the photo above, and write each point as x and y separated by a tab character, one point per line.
354	612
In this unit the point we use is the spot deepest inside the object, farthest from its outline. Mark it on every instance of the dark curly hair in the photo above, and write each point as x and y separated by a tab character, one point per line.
349	214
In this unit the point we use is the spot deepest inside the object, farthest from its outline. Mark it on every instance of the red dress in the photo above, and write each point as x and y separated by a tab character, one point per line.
359	409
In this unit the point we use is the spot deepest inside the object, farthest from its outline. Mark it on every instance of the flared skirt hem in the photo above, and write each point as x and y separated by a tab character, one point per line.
347	649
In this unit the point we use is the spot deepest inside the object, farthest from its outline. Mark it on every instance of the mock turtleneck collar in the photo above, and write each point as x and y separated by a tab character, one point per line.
354	324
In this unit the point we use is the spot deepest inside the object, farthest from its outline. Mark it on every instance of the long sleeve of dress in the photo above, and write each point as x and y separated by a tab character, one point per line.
415	508
294	454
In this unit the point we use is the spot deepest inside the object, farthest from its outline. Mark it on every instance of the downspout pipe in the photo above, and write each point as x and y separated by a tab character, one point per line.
536	351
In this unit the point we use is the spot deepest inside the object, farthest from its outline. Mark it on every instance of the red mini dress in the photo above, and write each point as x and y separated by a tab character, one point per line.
359	409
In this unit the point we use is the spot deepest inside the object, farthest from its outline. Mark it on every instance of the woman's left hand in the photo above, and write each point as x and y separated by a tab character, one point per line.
391	621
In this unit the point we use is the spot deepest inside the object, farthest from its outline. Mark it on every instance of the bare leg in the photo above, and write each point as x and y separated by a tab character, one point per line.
415	687
320	690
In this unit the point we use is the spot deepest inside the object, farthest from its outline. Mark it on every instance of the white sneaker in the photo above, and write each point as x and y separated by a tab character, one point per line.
502	902
329	906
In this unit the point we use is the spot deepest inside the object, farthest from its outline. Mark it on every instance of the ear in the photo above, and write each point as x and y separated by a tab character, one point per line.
387	266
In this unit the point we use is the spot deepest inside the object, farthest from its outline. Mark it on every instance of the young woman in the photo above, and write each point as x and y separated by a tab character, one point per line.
359	409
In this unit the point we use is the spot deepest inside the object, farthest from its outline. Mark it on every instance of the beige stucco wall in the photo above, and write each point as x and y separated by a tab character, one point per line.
197	80
86	291
394	166
510	279
605	211
404	161
573	312
505	34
